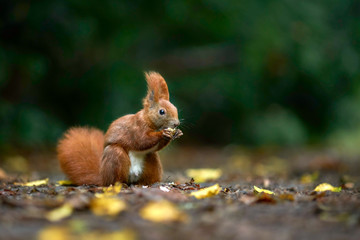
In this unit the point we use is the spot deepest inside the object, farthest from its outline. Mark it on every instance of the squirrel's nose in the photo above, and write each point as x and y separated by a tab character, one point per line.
176	124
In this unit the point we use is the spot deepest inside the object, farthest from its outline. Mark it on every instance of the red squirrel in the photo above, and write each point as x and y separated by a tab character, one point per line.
127	153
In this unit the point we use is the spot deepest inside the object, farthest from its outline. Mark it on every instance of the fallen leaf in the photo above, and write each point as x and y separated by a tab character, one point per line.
207	192
34	183
327	187
348	185
204	174
107	206
78	226
309	178
59	213
162	211
287	196
64	182
126	234
258	198
265	198
112	190
260	190
347	182
54	233
66	233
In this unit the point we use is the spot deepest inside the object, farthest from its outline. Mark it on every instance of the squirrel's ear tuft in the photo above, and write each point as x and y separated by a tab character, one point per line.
157	89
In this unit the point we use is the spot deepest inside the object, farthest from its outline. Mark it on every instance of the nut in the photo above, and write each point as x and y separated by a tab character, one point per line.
172	130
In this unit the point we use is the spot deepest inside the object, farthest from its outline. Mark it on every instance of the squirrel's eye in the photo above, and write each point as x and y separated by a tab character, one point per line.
162	111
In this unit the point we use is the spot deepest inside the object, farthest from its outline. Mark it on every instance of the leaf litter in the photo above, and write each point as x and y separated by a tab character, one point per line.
226	207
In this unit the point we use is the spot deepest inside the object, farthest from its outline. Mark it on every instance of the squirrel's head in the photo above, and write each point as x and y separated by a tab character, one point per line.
159	110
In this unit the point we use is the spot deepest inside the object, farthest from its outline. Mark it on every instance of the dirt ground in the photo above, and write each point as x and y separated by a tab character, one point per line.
293	211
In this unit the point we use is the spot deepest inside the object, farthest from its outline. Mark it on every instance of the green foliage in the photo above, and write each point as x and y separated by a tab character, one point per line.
227	63
276	126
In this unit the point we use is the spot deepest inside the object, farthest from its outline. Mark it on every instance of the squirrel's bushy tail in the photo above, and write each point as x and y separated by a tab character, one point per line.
79	153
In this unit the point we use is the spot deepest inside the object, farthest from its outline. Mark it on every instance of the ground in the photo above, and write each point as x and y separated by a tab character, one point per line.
293	210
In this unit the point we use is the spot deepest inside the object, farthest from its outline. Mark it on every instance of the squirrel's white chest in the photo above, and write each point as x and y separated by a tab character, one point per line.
137	159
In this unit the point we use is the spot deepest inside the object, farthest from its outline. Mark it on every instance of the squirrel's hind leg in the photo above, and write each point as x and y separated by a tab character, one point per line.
152	172
115	165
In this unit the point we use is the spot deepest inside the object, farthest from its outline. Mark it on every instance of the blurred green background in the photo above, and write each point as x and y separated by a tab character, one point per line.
243	72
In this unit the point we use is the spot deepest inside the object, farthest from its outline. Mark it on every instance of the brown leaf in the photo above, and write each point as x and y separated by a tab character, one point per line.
265	198
287	196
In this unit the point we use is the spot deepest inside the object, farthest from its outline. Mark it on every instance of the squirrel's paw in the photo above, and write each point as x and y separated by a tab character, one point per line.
168	133
178	133
171	133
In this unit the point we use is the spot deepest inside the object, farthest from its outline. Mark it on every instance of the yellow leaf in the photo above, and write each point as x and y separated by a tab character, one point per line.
59	213
117	235
34	183
110	191
54	233
113	190
309	178
107	206
64	182
327	187
207	192
65	233
125	234
260	190
163	211
204	174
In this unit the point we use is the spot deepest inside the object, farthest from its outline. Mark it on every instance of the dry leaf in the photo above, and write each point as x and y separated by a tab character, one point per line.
327	187
54	233
117	235
110	191
206	192
309	178
113	190
258	198
59	213
204	174
64	182
65	233
107	206
34	183
162	211
260	190
265	198
287	196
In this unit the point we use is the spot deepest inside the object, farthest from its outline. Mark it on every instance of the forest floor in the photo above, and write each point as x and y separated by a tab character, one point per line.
233	209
